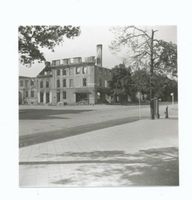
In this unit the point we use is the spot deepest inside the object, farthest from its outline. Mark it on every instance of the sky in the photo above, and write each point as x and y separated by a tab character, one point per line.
85	45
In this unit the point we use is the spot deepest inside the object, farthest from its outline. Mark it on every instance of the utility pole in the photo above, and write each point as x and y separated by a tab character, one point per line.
151	77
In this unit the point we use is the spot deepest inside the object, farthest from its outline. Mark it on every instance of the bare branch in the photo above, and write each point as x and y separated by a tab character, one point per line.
138	29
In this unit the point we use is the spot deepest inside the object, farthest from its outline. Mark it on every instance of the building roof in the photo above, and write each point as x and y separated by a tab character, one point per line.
25	77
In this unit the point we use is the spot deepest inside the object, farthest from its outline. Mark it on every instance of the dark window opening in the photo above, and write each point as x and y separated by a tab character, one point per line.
64	72
64	95
58	83
58	72
64	82
32	93
41	97
47	97
32	82
58	96
84	82
47	84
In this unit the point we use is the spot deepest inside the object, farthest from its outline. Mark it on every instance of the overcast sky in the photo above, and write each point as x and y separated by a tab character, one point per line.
85	45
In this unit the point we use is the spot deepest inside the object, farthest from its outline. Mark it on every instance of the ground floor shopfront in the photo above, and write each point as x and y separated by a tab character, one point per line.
67	96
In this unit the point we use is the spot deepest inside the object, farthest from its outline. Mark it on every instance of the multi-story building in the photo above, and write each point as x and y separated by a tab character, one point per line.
27	90
74	81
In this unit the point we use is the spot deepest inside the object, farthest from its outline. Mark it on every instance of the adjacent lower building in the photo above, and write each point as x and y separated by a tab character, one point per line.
69	81
27	90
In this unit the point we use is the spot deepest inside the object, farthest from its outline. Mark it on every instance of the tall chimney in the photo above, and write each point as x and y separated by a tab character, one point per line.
99	55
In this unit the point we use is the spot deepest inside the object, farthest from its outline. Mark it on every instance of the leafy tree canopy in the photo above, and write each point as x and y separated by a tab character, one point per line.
33	38
127	83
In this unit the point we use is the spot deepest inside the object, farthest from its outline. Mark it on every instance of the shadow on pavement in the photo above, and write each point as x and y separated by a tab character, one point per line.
152	167
27	140
36	114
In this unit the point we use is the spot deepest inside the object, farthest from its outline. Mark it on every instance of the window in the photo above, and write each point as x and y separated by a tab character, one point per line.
47	84
41	97
58	72
26	83
64	94
58	83
64	82
71	71
84	82
47	97
32	93
41	84
32	82
78	70
66	61
26	93
58	96
85	70
71	83
106	83
64	72
21	83
56	62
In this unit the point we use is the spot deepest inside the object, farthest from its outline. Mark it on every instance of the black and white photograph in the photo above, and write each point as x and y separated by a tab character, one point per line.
95	100
98	106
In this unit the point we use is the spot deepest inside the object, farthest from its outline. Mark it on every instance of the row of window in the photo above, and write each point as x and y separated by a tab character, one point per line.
79	70
42	84
67	61
26	83
32	93
59	96
47	96
71	83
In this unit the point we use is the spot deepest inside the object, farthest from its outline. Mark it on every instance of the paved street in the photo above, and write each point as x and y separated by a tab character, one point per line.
36	119
143	152
42	123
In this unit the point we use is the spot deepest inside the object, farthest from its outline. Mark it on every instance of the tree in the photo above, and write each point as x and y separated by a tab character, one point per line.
33	38
140	79
146	52
121	84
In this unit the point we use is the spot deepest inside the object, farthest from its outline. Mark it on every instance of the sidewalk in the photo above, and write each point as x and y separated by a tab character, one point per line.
106	157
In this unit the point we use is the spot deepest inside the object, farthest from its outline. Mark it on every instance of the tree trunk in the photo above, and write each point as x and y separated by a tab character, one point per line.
151	80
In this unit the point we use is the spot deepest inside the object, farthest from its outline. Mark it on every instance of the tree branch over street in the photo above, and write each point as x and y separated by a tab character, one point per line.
33	38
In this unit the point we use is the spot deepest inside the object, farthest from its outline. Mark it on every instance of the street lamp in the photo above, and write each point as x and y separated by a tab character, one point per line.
172	97
139	105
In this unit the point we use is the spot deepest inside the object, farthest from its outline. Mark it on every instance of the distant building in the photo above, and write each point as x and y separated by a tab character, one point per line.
27	90
69	81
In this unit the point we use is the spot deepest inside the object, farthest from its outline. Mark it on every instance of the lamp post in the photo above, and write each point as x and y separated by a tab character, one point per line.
139	105
172	97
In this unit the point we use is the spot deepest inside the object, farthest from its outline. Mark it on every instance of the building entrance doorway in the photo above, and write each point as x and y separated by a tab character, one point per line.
47	97
41	97
58	97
